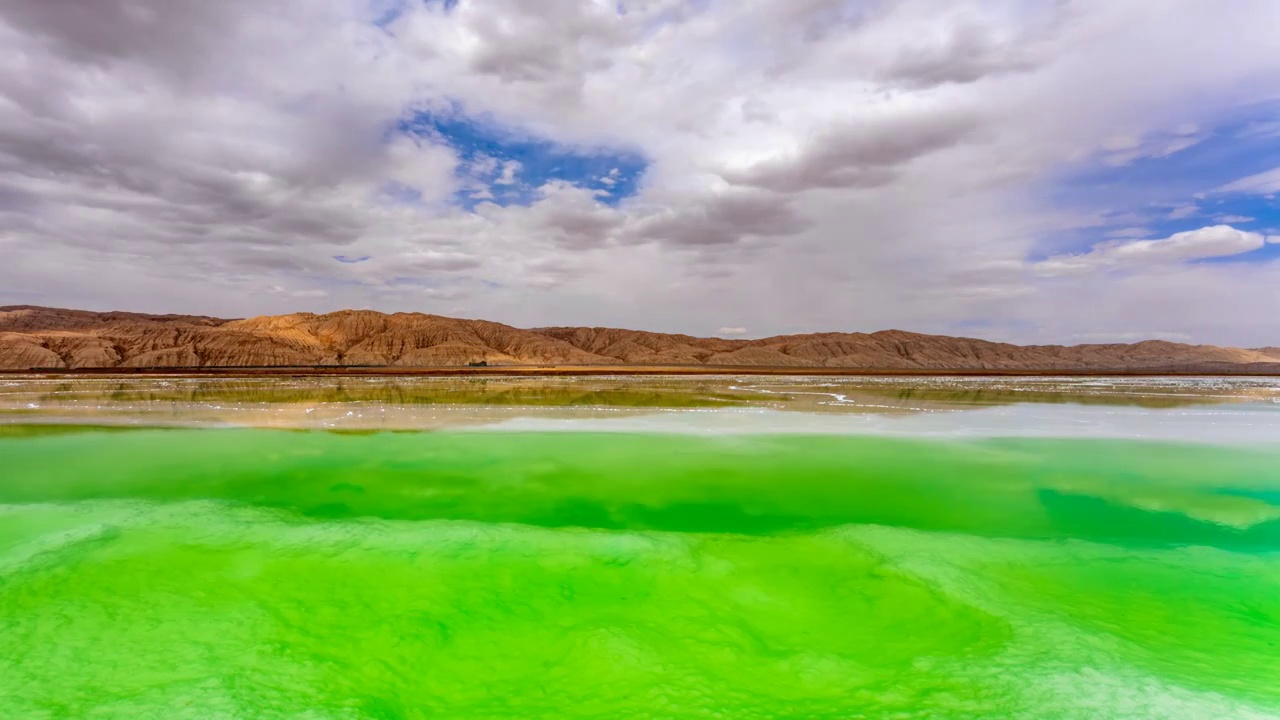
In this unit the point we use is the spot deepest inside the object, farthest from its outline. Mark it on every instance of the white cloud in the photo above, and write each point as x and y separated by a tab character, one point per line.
509	170
1130	232
483	165
1207	242
1121	150
732	331
426	167
1231	219
314	293
1259	184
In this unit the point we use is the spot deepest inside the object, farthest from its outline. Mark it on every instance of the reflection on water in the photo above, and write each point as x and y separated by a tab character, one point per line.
380	402
408	391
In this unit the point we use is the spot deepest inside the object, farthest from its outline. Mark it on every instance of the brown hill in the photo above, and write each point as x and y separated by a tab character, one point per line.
642	348
37	338
899	350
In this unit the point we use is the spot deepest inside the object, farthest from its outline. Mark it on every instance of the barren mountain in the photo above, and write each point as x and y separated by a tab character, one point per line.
39	337
49	338
642	348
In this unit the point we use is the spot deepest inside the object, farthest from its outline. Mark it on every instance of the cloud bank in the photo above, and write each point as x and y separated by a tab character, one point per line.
813	165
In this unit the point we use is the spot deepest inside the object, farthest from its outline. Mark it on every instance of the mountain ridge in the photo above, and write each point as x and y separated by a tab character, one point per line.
35	337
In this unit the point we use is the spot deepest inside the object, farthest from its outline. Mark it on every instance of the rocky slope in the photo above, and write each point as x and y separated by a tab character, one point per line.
35	337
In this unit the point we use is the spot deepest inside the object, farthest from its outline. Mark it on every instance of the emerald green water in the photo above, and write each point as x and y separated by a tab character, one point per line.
252	573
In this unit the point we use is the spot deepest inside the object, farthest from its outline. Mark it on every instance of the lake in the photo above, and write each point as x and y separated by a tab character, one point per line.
711	547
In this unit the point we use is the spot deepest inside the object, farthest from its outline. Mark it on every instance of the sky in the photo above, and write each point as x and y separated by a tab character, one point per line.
1033	171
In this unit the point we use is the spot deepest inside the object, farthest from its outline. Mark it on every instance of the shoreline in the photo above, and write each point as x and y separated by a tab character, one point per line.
628	370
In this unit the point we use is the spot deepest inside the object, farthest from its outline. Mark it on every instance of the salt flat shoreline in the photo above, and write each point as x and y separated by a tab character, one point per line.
1265	370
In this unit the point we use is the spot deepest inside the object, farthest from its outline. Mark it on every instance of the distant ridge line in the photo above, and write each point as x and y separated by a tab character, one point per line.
34	338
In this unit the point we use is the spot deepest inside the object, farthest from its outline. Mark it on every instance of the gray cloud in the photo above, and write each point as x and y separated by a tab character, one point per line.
145	128
574	219
968	54
175	36
427	262
721	218
860	154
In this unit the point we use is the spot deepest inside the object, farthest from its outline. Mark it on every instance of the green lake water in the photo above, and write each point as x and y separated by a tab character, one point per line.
193	571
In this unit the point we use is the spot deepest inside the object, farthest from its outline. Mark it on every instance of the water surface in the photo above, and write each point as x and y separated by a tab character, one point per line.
622	549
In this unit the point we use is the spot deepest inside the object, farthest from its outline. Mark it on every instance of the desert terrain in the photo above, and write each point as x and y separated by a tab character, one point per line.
50	339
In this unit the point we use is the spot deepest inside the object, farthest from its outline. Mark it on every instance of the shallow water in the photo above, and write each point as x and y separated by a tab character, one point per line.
955	558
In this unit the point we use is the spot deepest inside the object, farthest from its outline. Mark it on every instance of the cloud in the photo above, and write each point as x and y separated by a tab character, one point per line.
1207	242
1131	232
428	168
430	261
966	54
509	170
862	155
732	331
314	293
178	36
1259	184
1124	149
717	218
807	165
566	215
483	165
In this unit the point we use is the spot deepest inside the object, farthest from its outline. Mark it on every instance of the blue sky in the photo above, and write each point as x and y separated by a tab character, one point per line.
506	166
1162	192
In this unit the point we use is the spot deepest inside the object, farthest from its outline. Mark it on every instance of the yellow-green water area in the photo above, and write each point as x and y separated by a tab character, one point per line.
217	573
